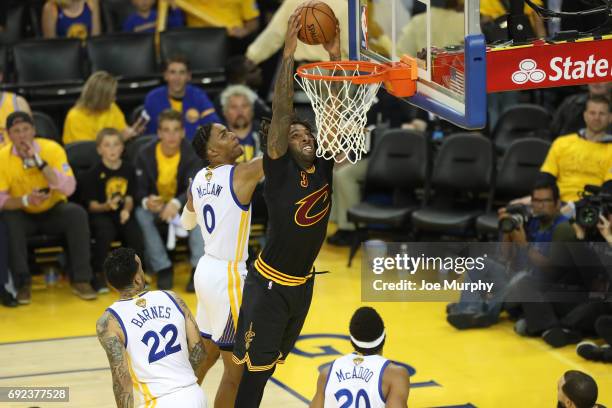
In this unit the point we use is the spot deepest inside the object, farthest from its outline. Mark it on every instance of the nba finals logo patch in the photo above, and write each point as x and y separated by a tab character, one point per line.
357	360
248	336
141	302
192	115
208	175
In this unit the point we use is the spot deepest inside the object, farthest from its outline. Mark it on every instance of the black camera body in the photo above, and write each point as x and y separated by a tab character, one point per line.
519	215
594	202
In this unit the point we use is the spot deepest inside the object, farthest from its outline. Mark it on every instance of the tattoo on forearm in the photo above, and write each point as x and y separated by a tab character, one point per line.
122	383
196	356
282	107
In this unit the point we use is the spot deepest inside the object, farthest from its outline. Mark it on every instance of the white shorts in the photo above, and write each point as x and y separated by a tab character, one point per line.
188	397
218	286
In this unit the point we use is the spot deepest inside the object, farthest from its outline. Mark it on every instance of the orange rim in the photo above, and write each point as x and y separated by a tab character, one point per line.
369	72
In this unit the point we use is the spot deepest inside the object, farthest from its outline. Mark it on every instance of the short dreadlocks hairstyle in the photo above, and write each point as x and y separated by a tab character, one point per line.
200	140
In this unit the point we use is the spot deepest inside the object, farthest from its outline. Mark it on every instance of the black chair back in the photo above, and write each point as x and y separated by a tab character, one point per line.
464	162
133	147
123	55
520	166
205	48
521	121
82	156
45	127
13	31
399	160
114	13
48	60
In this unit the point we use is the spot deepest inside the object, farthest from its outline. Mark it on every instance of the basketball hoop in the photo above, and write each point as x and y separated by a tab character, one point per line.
341	93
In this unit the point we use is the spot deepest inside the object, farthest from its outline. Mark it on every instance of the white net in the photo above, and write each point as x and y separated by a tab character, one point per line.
340	108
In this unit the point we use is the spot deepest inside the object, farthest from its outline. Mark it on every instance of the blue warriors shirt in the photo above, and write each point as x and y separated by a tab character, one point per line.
136	23
74	27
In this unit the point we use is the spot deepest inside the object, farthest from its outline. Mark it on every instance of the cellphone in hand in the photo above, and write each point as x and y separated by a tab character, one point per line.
144	117
45	190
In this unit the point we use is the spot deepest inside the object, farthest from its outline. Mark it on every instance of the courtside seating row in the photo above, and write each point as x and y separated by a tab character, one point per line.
450	189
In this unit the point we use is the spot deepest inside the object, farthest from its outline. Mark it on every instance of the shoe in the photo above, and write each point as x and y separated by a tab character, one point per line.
341	238
8	299
190	286
84	291
462	321
520	327
451	307
24	295
591	351
164	279
99	283
559	337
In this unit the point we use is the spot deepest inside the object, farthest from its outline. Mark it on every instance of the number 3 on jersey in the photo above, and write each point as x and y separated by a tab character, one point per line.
209	213
170	348
361	399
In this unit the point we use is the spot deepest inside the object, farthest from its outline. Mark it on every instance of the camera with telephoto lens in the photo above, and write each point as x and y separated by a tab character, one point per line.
594	202
519	214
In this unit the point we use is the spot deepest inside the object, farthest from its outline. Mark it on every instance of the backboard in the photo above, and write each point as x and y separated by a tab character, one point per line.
447	42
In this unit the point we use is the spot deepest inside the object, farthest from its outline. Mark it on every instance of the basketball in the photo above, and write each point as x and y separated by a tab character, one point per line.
318	23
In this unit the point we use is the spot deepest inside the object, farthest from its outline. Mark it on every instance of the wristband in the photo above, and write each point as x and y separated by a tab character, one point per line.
40	163
24	200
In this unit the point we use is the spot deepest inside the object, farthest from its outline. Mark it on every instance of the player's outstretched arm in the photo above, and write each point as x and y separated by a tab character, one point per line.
111	339
197	351
319	399
282	102
246	177
398	382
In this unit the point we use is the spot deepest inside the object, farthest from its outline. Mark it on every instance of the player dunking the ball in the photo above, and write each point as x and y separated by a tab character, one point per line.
219	201
297	191
152	341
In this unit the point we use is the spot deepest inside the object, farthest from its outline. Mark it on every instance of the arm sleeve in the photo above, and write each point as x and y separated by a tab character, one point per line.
66	182
188	219
550	164
272	38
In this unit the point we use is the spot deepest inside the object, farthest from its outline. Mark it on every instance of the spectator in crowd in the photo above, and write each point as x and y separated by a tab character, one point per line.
163	169
6	297
530	251
144	19
270	40
35	181
96	109
178	95
576	389
240	17
448	30
9	103
237	104
71	18
108	191
569	116
239	70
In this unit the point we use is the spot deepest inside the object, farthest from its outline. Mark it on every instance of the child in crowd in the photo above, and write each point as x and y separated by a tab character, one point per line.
71	18
108	191
144	20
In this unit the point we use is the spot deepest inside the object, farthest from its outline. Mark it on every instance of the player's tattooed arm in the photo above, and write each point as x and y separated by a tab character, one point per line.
110	337
197	351
282	101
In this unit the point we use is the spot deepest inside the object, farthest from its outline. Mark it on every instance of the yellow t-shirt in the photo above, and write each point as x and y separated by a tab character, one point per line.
82	124
576	162
225	13
167	170
495	8
18	181
8	105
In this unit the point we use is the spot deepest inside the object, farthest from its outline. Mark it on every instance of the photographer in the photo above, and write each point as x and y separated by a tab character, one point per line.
525	245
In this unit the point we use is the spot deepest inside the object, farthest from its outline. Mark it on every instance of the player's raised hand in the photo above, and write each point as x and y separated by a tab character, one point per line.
293	27
333	46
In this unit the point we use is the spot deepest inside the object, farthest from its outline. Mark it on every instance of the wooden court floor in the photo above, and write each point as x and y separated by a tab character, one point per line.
52	343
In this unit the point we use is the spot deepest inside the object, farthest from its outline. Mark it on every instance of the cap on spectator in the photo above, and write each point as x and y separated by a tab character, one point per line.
18	117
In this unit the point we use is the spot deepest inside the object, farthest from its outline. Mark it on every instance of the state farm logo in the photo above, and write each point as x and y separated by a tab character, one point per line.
528	71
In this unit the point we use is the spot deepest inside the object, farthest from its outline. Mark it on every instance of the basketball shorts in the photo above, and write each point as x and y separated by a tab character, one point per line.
218	286
188	397
271	319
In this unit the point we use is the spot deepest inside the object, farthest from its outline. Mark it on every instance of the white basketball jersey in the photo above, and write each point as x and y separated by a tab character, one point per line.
156	343
356	381
224	222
